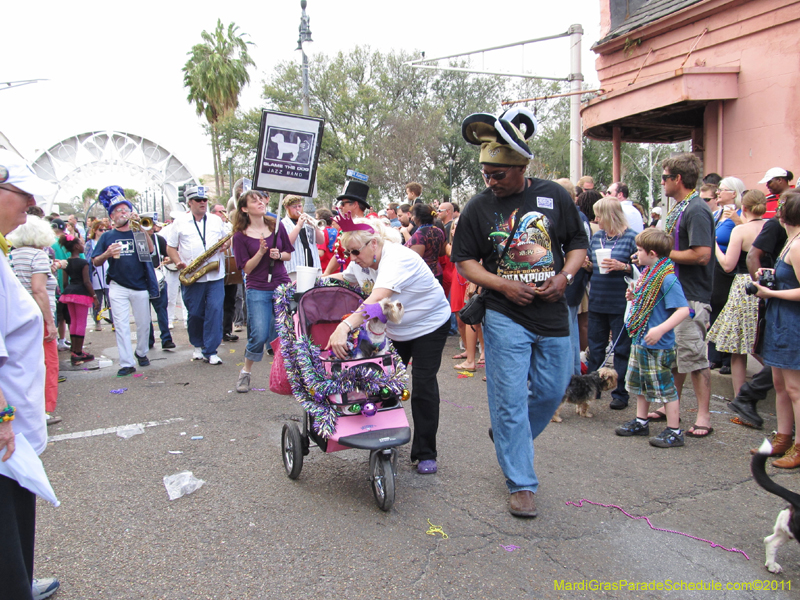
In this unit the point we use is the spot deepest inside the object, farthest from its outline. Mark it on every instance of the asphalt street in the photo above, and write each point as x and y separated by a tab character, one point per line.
251	532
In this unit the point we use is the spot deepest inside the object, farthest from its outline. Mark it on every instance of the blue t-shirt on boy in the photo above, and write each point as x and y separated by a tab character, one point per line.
670	297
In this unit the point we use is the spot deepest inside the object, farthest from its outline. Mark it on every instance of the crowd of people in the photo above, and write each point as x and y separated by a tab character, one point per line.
562	269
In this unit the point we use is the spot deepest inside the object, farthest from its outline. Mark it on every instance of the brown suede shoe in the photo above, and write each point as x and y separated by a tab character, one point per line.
780	445
520	504
790	460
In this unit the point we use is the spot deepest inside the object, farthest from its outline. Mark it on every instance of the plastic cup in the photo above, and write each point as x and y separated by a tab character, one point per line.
306	277
602	254
116	250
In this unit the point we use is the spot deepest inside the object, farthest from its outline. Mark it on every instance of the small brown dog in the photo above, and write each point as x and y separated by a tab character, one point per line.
582	389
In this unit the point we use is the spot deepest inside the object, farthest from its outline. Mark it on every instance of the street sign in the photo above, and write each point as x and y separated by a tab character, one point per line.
357	175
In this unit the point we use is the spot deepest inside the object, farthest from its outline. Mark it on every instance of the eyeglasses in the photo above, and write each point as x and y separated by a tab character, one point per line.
720	190
356	252
20	192
496	176
665	177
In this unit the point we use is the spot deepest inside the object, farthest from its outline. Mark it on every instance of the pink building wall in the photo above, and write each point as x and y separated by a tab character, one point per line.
761	127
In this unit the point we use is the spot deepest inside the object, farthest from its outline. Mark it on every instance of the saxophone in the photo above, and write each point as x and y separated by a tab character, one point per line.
195	271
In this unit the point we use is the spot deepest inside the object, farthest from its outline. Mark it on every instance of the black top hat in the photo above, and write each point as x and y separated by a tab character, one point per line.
355	190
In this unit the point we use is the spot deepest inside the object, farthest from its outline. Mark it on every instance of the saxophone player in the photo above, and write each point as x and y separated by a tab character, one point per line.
131	280
191	236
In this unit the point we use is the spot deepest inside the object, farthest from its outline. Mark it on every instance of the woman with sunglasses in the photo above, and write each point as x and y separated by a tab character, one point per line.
261	246
385	269
98	274
726	217
428	240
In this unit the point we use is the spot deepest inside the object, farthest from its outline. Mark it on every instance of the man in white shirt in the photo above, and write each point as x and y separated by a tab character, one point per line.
22	374
191	235
620	191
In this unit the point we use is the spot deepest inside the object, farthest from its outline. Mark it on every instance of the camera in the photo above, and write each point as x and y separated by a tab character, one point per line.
767	279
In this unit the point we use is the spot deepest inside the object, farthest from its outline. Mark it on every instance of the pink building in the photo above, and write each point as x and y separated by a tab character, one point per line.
724	74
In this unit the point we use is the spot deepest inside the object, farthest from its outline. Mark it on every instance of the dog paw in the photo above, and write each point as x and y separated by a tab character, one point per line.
774	567
588	415
556	419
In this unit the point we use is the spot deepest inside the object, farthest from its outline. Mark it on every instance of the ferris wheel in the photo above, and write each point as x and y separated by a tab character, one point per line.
77	162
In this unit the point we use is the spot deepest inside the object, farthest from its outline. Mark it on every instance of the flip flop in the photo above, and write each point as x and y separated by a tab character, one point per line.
461	367
691	431
481	361
461	356
660	416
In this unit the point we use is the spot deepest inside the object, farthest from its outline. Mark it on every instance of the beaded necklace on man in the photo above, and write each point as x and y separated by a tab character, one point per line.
677	211
646	295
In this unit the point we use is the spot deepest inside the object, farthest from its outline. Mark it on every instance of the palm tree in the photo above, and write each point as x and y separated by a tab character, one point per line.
215	74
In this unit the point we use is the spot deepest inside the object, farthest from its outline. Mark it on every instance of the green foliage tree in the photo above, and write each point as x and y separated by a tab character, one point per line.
215	74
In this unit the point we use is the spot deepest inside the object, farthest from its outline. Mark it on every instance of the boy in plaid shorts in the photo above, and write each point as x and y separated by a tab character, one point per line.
658	307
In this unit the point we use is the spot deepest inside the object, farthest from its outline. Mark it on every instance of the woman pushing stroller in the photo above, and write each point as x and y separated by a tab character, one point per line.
385	269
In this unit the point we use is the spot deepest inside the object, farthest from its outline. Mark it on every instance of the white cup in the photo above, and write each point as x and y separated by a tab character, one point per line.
306	277
602	254
116	250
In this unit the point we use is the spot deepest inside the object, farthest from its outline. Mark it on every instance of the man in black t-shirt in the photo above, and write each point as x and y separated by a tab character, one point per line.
765	249
691	223
509	240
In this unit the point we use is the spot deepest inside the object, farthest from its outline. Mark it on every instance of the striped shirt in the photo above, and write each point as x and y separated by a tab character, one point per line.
607	294
26	262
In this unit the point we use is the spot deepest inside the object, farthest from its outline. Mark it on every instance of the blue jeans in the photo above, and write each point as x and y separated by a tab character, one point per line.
575	339
526	378
600	326
260	323
203	302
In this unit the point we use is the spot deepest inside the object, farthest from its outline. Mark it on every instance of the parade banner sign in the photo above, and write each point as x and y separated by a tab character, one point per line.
288	152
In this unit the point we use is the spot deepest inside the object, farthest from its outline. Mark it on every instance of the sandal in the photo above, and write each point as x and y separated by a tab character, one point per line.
461	356
461	367
692	431
659	416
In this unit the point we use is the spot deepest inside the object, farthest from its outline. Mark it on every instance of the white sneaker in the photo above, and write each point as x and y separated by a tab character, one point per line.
198	354
213	360
44	588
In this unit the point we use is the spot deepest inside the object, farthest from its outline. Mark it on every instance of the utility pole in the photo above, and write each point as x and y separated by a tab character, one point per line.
576	82
305	36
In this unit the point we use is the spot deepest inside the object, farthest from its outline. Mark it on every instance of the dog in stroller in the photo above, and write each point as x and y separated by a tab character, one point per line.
351	403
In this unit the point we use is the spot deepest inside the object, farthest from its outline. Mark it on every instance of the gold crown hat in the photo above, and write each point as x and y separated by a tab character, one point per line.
501	139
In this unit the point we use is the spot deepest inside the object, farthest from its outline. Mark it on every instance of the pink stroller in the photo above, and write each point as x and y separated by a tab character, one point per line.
346	403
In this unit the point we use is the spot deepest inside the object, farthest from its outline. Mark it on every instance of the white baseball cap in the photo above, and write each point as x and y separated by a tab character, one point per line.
773	173
15	171
657	210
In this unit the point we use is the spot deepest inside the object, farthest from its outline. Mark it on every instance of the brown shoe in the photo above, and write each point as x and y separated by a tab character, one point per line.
520	504
780	445
790	460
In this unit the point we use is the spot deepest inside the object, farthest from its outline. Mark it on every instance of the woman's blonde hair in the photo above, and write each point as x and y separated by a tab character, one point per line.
36	233
755	202
610	210
380	232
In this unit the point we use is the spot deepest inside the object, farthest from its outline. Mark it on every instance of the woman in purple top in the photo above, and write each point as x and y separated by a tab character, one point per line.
428	240
260	246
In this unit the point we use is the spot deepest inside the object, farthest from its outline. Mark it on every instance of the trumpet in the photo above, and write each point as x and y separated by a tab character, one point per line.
314	222
141	223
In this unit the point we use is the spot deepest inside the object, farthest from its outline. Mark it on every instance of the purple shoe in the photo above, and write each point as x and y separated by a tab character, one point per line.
426	467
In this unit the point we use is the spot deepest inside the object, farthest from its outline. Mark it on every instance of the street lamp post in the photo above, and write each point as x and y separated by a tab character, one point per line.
305	36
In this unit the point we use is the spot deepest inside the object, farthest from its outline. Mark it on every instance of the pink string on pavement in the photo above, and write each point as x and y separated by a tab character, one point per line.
630	516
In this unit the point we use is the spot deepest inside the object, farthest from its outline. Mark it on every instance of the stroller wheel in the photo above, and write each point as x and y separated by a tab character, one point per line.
382	480
292	450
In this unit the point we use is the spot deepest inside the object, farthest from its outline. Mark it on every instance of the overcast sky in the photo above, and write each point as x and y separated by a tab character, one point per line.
117	66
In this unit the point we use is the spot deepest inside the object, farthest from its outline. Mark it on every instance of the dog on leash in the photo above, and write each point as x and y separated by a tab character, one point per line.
371	336
787	525
582	389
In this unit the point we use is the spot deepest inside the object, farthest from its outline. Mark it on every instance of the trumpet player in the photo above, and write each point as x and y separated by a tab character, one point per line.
303	234
191	235
131	281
